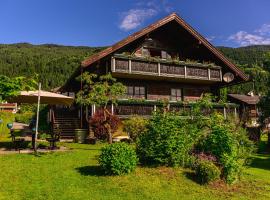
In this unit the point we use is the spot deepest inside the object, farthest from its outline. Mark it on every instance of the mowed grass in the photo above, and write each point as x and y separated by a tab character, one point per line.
75	175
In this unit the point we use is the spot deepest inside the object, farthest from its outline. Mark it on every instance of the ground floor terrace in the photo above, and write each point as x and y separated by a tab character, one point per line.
75	117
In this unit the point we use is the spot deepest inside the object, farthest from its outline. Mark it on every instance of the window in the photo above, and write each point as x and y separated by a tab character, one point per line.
176	94
136	91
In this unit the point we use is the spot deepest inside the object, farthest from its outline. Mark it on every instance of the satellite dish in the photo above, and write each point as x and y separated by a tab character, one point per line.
228	77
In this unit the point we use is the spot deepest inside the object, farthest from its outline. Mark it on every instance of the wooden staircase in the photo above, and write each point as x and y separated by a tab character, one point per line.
67	121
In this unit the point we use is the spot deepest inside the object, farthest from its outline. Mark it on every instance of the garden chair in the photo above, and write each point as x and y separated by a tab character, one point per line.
55	137
17	142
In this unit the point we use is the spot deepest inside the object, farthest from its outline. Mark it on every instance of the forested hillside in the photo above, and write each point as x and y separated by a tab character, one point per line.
254	61
55	63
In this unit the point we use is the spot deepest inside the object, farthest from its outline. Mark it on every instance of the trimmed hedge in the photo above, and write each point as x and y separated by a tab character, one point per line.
118	159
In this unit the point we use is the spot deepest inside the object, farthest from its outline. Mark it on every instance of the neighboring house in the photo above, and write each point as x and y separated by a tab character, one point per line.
8	107
249	113
166	60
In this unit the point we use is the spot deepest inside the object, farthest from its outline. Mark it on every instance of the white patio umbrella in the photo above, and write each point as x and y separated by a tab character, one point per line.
42	97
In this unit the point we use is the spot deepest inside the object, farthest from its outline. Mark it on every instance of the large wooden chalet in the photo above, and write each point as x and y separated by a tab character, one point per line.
166	60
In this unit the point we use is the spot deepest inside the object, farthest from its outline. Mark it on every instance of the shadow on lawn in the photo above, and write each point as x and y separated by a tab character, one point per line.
93	170
261	161
10	145
192	176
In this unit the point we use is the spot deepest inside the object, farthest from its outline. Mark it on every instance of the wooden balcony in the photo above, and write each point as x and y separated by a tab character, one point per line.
160	68
127	108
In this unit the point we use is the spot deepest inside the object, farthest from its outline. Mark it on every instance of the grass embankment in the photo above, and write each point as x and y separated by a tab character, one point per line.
76	175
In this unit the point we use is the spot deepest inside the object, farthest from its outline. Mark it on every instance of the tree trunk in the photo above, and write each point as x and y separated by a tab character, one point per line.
108	127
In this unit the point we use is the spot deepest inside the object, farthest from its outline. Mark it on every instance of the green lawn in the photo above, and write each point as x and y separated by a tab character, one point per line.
75	175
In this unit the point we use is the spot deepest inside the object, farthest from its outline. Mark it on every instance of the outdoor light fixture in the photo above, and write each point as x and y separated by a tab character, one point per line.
9	125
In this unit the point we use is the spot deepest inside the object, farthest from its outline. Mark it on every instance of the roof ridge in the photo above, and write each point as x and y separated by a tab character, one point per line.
155	25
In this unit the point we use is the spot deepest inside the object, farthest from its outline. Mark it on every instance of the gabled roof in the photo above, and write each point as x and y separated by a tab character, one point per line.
250	100
154	26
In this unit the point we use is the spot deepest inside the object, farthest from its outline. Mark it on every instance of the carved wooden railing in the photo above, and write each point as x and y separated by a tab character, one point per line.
133	65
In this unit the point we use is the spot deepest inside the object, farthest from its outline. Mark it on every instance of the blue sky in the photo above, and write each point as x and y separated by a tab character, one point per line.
104	22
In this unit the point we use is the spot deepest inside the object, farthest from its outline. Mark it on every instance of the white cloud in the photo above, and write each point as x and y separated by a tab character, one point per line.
244	38
143	10
135	17
264	30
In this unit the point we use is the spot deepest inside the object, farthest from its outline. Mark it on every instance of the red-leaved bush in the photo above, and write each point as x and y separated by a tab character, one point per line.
98	123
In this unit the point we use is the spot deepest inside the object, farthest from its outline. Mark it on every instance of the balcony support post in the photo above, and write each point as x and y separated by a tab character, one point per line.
113	64
185	72
225	113
235	113
93	109
220	73
129	66
112	109
209	74
159	69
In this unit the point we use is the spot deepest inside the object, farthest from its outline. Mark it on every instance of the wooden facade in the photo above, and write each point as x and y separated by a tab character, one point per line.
167	60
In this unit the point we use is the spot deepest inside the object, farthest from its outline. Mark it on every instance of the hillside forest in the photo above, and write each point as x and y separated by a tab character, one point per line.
56	63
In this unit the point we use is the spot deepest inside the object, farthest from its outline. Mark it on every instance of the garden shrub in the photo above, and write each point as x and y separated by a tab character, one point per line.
135	126
24	117
168	140
97	124
229	144
118	158
206	172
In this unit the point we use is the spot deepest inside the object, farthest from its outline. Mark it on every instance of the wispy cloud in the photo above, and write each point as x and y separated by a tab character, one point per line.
264	30
260	36
135	17
211	38
142	11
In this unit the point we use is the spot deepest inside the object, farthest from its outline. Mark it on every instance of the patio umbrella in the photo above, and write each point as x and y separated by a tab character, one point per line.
45	98
41	97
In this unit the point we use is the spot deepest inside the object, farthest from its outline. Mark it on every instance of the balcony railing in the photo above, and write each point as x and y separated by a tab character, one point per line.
126	108
158	67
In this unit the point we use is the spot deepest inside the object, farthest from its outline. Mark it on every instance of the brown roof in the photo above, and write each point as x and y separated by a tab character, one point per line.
251	100
156	25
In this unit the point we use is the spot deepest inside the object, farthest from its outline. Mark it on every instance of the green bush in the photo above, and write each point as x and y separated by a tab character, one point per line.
134	126
230	144
168	140
118	159
207	171
24	117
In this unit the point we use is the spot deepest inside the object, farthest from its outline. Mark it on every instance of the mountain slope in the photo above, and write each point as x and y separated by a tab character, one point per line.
55	63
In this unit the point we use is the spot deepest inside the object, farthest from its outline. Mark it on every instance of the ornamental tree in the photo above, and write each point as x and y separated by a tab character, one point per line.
100	91
10	87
